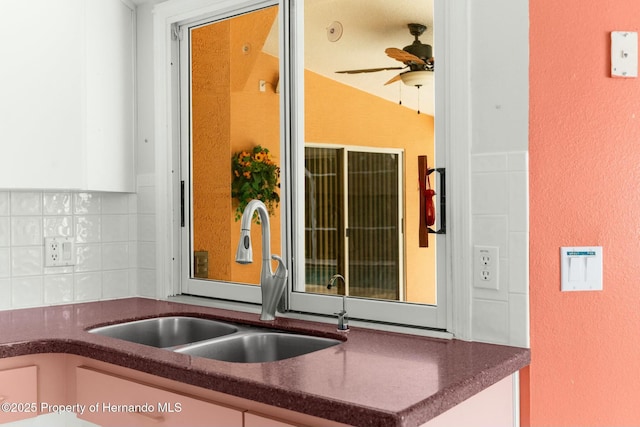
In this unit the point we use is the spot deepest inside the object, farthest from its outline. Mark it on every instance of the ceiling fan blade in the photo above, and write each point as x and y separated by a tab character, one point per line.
369	70
393	80
402	56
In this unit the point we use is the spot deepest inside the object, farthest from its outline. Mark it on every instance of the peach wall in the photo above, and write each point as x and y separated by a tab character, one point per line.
584	190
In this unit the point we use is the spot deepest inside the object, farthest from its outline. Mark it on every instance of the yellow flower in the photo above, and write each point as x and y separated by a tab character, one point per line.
247	174
260	157
236	172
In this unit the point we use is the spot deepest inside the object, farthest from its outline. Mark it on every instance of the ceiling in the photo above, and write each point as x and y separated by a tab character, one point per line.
369	27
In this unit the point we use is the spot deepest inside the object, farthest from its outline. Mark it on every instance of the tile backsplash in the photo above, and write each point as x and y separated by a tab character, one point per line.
104	228
500	206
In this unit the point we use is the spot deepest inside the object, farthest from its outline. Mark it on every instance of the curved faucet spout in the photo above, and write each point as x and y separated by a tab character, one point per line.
272	284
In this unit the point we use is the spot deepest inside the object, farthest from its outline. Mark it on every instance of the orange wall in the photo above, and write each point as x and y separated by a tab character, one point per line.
584	190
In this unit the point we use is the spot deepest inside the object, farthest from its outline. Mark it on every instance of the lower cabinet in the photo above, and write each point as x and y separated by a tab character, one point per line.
111	401
18	393
62	387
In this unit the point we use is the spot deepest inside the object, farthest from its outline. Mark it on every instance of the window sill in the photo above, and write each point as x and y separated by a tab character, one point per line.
253	308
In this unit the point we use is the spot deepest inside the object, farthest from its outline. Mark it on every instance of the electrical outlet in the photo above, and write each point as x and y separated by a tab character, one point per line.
485	267
59	251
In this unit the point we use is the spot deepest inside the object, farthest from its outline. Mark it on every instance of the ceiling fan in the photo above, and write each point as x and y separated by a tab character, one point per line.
417	56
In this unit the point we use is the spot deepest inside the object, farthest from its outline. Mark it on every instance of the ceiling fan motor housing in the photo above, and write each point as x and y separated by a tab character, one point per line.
417	48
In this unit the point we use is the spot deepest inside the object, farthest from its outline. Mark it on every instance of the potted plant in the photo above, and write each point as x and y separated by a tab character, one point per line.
255	176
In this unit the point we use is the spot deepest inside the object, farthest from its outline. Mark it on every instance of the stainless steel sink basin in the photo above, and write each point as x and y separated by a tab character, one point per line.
167	332
258	346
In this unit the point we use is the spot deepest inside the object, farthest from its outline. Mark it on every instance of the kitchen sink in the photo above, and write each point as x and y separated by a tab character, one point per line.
258	346
215	340
166	332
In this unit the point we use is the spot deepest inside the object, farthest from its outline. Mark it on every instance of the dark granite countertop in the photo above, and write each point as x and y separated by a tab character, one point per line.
374	378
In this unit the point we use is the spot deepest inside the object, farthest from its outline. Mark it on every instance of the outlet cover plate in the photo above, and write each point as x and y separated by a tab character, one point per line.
59	251
486	267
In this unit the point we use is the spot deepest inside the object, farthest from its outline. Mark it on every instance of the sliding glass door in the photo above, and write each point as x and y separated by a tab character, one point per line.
353	221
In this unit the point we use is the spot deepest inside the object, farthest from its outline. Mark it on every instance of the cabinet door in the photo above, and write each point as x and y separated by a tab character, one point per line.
67	103
110	96
112	401
18	393
41	106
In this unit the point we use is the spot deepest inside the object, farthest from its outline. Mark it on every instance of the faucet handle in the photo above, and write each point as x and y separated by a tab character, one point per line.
281	271
343	321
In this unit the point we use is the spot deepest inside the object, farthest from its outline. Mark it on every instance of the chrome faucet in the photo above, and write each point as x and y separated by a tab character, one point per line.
271	284
343	319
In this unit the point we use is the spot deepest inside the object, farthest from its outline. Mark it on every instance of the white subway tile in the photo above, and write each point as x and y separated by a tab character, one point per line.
57	203
88	228
133	228
87	286
518	262
5	294
115	284
115	203
146	255
5	262
5	231
26	261
490	321
59	269
518	161
86	203
115	256
147	228
88	257
519	320
4	203
146	200
26	230
489	193
133	203
518	201
115	228
55	226
146	283
27	292
58	288
491	230
494	162
26	203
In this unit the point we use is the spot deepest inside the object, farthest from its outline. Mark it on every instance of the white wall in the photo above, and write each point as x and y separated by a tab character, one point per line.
499	42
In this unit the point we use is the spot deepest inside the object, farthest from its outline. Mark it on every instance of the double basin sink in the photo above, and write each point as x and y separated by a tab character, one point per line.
214	339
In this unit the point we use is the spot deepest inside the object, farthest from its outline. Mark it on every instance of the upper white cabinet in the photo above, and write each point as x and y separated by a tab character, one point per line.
67	95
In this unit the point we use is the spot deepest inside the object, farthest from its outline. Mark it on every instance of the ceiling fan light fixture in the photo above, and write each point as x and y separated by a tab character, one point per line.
417	78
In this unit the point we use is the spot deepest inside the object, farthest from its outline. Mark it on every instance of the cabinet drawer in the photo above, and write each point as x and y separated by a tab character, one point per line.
112	401
18	393
255	420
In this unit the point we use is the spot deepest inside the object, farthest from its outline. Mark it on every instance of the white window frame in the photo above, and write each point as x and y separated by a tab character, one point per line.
454	128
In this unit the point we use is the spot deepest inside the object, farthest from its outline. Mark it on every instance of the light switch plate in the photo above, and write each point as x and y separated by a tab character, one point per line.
624	54
581	268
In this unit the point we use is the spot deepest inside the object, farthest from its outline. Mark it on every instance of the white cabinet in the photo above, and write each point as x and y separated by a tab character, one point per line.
67	117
